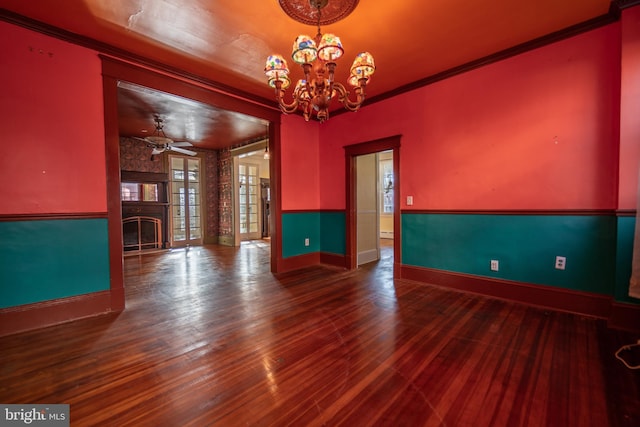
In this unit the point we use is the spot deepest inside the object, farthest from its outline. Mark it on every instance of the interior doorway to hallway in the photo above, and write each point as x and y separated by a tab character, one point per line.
373	202
374	205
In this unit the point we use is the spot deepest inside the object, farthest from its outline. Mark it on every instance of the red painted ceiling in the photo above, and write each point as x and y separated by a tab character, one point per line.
227	41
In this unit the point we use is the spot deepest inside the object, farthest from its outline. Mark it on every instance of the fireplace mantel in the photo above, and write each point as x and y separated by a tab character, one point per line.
151	209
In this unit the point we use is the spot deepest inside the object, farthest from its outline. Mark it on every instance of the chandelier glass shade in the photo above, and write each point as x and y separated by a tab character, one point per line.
313	95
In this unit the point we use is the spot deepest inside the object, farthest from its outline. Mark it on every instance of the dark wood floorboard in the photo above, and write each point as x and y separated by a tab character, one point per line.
211	337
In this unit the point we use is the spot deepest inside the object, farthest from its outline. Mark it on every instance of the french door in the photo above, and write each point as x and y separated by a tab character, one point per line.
186	220
249	198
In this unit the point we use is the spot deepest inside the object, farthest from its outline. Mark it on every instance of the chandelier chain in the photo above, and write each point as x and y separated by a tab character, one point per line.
319	35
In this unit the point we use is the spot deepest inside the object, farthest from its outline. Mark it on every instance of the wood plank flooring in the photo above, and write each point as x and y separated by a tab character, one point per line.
211	338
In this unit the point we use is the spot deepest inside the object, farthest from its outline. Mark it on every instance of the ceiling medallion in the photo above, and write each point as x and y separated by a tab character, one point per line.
313	95
306	11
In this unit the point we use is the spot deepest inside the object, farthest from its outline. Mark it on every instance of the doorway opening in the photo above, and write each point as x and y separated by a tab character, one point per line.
252	193
248	200
373	203
374	206
116	114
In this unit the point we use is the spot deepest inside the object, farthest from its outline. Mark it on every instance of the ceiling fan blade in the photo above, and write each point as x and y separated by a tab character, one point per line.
181	144
182	150
139	139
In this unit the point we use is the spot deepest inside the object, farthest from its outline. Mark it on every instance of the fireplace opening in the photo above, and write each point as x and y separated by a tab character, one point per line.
141	233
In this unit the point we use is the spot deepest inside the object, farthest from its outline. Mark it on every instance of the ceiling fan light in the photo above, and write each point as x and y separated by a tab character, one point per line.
330	47
276	67
158	139
304	50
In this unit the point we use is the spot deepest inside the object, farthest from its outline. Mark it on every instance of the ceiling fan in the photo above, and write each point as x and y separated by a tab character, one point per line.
159	142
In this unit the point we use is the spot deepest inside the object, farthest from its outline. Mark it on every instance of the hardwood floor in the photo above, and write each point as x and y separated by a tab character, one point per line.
210	337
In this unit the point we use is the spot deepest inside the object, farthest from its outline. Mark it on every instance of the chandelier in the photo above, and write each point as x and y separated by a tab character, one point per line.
315	94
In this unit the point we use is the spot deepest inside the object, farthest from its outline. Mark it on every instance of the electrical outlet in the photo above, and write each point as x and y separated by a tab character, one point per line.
561	262
306	241
495	265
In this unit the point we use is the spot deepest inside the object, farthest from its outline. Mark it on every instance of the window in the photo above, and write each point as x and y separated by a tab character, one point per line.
386	185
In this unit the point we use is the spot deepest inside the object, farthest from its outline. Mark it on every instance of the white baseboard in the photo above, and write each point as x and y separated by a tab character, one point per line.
368	256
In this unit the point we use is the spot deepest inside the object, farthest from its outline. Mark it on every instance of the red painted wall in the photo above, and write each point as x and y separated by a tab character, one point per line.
53	157
300	167
630	109
536	131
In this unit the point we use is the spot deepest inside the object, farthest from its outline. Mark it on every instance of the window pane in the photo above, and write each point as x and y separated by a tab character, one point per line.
129	191
177	199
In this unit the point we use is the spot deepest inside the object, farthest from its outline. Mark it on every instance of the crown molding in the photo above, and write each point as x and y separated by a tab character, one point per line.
611	16
623	4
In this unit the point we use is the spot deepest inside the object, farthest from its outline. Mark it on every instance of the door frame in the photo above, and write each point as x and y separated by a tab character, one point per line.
351	152
157	76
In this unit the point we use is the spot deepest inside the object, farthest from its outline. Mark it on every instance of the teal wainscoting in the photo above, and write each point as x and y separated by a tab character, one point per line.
42	260
333	233
525	246
296	227
325	231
